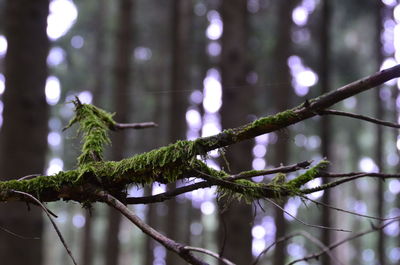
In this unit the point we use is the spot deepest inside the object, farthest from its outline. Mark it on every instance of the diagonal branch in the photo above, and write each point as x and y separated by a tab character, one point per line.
148	230
359	117
142	125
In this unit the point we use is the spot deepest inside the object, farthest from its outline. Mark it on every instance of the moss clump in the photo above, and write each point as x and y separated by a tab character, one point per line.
277	119
309	175
94	123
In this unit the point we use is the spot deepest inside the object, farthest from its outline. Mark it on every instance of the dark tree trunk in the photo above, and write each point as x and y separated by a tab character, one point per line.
326	137
236	221
122	88
379	113
282	98
178	105
23	137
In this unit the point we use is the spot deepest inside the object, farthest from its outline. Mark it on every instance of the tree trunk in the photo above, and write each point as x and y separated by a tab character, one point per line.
122	87
177	109
23	137
326	137
236	221
282	102
379	113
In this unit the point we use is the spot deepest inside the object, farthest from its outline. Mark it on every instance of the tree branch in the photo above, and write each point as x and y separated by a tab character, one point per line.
142	125
148	230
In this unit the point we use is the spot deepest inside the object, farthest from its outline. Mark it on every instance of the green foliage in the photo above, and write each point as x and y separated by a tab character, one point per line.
309	175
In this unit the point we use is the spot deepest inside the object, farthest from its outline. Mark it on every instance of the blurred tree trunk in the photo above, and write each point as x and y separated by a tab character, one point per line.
122	85
181	20
236	220
97	91
282	98
326	137
379	114
23	137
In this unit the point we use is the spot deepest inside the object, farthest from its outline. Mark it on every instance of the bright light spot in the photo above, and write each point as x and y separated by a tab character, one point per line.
215	29
1	107
55	124
388	63
77	42
258	232
394	255
300	16
300	140
350	102
389	2
207	208
78	220
196	97
193	118
396	13
56	165
392	230
312	184
368	255
394	186
52	90
159	252
259	150
300	90
142	54
258	164
262	139
210	129
257	246
85	97
56	56
196	228
3	45
313	142
211	163
2	83
396	39
368	165
214	48
306	78
63	15
157	189
54	139
295	250
212	93
310	5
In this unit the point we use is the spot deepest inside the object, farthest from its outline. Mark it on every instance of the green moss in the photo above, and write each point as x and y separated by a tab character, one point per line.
94	123
309	175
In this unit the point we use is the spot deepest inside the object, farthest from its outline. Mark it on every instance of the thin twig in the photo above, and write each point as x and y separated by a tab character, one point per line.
51	220
359	117
349	212
148	230
210	253
335	245
304	223
142	125
29	177
288	237
16	235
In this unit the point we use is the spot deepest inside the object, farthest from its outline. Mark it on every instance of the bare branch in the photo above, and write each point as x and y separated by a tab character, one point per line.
288	237
349	212
335	245
148	230
359	117
142	125
304	223
52	222
210	253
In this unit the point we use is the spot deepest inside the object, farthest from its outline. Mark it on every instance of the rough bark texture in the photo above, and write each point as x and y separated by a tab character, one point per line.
122	86
379	145
281	96
181	10
236	221
326	137
23	136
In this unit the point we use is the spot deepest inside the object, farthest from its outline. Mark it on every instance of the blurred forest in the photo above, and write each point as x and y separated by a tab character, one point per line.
195	68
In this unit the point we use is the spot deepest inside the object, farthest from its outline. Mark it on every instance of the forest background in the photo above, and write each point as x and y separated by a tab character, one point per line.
195	68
